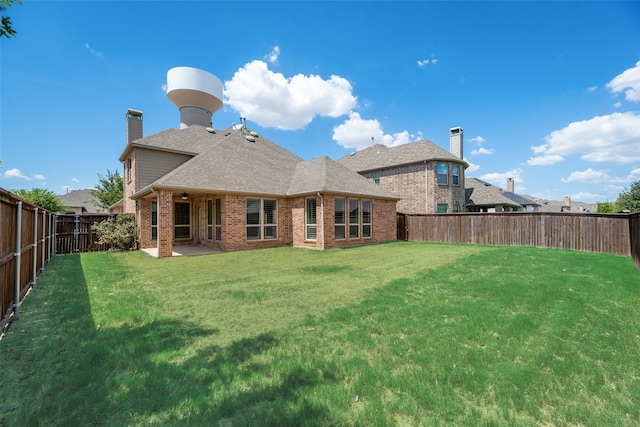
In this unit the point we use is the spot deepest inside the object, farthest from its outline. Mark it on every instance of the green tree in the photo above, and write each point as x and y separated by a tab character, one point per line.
42	198
630	200
6	29
109	189
606	207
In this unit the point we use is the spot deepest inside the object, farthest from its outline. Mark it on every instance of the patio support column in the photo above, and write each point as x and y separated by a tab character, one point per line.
165	223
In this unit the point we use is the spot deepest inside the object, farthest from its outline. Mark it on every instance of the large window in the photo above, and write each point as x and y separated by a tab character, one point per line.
262	219
455	174
443	173
366	218
182	220
354	219
214	216
311	229
154	220
340	219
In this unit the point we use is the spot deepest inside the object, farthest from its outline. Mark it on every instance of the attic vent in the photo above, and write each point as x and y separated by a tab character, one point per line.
250	138
210	130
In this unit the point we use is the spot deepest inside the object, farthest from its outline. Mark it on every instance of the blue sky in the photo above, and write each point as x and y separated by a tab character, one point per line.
547	92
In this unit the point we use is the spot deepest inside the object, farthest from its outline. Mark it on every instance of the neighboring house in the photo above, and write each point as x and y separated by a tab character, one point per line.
233	189
484	197
80	202
566	205
428	178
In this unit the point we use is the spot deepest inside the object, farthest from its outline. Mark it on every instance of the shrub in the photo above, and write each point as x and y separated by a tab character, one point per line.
119	232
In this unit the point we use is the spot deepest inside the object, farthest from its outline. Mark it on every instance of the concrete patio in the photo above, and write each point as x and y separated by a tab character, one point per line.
184	251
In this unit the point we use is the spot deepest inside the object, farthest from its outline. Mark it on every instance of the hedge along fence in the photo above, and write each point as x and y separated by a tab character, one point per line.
617	234
26	244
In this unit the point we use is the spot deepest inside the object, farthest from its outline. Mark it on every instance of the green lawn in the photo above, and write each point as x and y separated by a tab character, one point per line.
423	334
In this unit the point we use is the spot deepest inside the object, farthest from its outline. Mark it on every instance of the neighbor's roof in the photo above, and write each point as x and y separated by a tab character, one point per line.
81	199
234	164
481	193
381	157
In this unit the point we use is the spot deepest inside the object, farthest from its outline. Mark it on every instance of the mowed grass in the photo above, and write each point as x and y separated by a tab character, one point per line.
422	334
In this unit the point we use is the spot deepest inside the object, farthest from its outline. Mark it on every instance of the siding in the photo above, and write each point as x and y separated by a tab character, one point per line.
152	164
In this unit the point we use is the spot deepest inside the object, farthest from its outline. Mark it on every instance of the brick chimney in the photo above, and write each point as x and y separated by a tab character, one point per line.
455	142
134	125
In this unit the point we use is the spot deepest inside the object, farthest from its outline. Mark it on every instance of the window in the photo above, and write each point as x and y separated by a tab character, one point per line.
209	219
182	220
262	219
442	207
455	172
340	219
218	220
154	220
366	218
354	219
456	207
443	173
129	169
376	177
311	229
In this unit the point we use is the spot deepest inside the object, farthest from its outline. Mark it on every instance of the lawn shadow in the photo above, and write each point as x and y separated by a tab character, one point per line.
147	373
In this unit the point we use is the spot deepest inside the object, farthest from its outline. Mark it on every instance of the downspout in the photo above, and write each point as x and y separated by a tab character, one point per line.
322	218
426	187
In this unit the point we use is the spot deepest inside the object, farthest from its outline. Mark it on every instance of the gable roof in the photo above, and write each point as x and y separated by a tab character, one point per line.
324	175
381	157
82	199
481	193
242	162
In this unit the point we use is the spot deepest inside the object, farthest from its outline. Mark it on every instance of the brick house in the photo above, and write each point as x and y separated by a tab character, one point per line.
428	178
234	189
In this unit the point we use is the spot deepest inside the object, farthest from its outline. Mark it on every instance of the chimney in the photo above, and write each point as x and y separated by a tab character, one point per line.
134	125
510	185
455	142
197	93
566	204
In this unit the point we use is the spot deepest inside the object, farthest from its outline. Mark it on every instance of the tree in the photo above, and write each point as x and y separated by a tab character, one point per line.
606	207
6	29
42	198
630	200
119	232
109	190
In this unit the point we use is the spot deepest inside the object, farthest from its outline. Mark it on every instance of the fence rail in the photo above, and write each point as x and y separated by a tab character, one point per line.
26	245
606	233
74	234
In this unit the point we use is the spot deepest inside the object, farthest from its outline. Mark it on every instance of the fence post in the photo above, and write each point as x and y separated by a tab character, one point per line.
76	233
44	240
34	249
16	260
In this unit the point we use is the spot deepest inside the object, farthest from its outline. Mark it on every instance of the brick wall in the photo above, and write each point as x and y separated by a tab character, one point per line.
129	185
165	223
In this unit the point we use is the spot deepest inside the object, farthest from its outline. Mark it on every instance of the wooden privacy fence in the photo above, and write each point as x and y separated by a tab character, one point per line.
74	234
26	245
606	233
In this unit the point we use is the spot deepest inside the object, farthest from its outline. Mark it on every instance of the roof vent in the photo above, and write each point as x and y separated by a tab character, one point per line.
210	130
253	133
250	138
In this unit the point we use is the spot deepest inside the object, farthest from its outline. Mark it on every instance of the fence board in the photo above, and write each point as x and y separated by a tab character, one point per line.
616	234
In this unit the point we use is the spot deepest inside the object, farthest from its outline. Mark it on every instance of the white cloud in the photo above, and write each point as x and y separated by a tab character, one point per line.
588	175
273	100
545	160
587	197
482	150
477	140
617	104
74	179
92	51
592	89
627	82
500	179
472	167
357	132
15	173
611	138
424	62
273	55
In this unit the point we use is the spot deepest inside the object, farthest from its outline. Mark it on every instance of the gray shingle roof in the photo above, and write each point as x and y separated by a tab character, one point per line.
81	199
325	175
233	164
380	156
480	193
